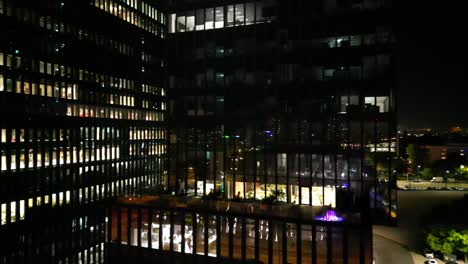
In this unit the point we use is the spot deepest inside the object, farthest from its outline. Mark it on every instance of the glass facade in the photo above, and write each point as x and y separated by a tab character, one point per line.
283	108
240	14
248	103
82	106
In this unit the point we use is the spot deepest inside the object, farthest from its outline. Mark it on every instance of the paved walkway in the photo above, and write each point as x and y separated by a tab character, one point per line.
387	251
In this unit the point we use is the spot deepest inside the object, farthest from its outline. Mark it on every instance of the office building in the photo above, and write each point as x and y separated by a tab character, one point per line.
286	99
283	108
82	106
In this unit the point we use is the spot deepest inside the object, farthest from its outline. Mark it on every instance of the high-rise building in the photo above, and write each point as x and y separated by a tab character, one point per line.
282	111
82	108
289	98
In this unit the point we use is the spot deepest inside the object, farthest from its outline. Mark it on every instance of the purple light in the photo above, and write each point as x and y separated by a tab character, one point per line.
330	216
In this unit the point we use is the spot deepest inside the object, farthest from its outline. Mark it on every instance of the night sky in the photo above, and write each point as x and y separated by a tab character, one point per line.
432	64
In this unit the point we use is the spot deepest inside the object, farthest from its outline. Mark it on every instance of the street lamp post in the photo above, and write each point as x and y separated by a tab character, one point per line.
446	179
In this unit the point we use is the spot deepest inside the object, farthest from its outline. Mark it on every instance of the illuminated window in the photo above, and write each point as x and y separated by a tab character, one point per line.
4	135
181	24
13	212
239	15
3	214
21	210
190	21
348	102
230	16
249	13
378	104
219	17
209	18
2	87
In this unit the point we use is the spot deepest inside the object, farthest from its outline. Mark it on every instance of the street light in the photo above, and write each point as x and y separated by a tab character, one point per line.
446	179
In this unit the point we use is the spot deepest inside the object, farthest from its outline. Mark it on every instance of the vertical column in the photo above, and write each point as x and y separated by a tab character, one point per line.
362	249
244	162
234	166
265	177
129	225
329	245
204	141
244	238
270	242
150	227
205	233
288	187
171	231
182	232
345	244
284	243
299	243
254	160
160	222
214	157
119	225
314	244
139	227
194	236
257	240
224	167
231	237
218	235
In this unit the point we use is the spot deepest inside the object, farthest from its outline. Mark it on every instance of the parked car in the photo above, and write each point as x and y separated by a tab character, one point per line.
459	188
428	254
450	258
431	261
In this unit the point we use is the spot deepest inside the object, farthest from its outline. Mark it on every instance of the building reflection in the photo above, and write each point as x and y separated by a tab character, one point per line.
240	231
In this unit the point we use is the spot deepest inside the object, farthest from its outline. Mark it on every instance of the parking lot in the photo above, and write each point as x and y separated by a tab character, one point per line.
427	185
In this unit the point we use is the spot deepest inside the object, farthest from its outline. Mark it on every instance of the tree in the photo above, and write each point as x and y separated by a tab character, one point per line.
462	243
427	174
461	173
438	240
448	240
412	152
